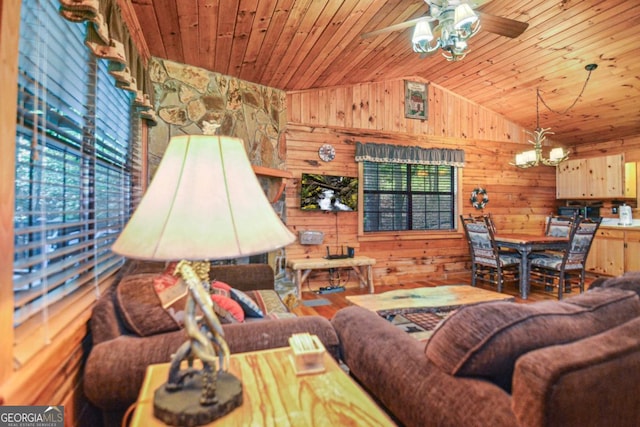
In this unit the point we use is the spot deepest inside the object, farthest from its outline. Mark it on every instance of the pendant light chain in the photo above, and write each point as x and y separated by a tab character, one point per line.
589	68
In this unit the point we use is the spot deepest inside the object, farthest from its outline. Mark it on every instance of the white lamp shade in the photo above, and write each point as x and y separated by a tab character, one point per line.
422	32
204	203
464	15
556	154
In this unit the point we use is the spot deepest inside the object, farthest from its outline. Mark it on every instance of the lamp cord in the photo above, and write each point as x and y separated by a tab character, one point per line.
589	69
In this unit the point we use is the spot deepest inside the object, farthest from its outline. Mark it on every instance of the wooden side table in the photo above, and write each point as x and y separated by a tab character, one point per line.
273	395
304	266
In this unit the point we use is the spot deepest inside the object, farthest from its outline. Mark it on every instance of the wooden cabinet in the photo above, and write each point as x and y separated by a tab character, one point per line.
631	251
614	251
570	181
606	255
596	177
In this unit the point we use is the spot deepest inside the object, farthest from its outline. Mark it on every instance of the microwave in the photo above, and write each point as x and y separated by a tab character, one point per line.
583	211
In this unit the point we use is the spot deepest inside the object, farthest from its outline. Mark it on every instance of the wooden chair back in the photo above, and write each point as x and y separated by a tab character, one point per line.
559	225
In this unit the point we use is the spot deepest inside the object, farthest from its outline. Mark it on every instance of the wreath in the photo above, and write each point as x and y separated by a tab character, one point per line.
474	198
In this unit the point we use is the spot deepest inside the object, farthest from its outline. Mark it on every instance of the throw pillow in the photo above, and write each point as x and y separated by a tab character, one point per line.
172	292
224	317
220	288
485	340
230	306
248	305
140	306
269	302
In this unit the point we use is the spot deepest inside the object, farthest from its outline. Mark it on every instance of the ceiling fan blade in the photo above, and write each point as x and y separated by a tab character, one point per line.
395	27
501	26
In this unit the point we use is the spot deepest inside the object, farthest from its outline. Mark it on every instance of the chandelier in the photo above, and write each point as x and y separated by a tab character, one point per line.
457	25
558	155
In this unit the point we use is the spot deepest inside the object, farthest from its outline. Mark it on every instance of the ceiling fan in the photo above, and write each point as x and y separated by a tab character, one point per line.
455	21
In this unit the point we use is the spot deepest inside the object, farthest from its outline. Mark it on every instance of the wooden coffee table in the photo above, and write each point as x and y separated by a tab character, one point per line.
421	298
273	395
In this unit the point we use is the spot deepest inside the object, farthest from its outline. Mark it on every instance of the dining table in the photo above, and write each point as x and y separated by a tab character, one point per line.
525	245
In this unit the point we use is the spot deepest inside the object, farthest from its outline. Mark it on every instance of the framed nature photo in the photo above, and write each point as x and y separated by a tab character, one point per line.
415	100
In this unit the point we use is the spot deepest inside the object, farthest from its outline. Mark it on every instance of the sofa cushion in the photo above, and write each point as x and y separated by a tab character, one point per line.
485	340
630	281
141	308
600	372
270	303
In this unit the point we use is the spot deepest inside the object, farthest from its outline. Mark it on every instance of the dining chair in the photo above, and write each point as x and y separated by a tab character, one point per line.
487	263
565	269
559	225
486	217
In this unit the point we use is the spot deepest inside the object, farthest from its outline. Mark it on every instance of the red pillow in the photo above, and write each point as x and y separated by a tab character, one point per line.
230	305
172	292
171	268
221	288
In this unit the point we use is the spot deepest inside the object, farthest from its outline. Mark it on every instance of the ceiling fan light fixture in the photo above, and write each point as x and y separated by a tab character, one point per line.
464	16
422	33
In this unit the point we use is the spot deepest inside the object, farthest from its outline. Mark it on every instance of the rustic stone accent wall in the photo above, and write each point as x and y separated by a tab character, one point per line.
186	96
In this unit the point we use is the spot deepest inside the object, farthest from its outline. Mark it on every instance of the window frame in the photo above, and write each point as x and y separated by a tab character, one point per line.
456	232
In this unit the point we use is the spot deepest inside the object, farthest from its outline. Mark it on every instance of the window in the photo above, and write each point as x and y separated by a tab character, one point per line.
76	158
408	188
400	196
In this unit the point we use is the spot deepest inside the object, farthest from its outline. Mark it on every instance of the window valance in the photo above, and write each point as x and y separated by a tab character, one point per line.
386	153
108	37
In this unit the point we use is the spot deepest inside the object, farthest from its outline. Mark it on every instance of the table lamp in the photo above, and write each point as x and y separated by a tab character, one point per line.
204	203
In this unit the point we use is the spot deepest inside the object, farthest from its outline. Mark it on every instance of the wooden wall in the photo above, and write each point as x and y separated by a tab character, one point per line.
519	198
380	107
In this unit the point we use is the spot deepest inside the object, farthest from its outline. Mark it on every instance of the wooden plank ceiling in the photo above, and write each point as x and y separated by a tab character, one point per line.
303	44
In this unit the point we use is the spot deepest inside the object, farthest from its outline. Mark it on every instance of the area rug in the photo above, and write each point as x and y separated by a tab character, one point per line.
419	310
420	325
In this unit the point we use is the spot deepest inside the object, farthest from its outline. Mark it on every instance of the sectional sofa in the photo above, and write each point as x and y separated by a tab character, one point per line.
573	362
567	363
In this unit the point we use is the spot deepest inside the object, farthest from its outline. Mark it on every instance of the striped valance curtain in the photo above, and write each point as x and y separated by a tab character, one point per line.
108	37
387	153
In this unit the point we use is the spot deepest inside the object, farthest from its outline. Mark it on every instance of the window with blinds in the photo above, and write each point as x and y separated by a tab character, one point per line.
75	162
401	196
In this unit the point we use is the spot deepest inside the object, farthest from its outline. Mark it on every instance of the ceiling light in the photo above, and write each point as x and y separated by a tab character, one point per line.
422	33
464	15
557	155
456	25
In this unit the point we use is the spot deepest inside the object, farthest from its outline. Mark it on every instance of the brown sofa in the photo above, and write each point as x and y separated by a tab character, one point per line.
118	359
554	363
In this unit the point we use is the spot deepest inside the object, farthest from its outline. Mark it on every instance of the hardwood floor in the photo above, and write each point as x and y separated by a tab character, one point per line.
338	300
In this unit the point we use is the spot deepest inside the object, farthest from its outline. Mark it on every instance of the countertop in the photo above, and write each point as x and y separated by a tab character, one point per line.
615	223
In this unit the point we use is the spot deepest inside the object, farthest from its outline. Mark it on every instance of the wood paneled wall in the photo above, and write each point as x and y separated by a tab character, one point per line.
519	198
380	106
630	147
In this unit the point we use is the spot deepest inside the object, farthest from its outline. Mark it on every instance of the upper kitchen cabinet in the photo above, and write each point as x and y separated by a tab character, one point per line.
603	177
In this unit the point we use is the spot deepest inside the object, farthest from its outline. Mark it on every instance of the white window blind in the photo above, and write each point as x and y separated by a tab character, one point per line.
77	155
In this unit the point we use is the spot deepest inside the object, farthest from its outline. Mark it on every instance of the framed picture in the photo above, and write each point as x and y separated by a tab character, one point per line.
415	100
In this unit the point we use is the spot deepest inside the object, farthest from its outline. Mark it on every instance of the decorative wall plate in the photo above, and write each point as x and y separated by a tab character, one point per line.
327	152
